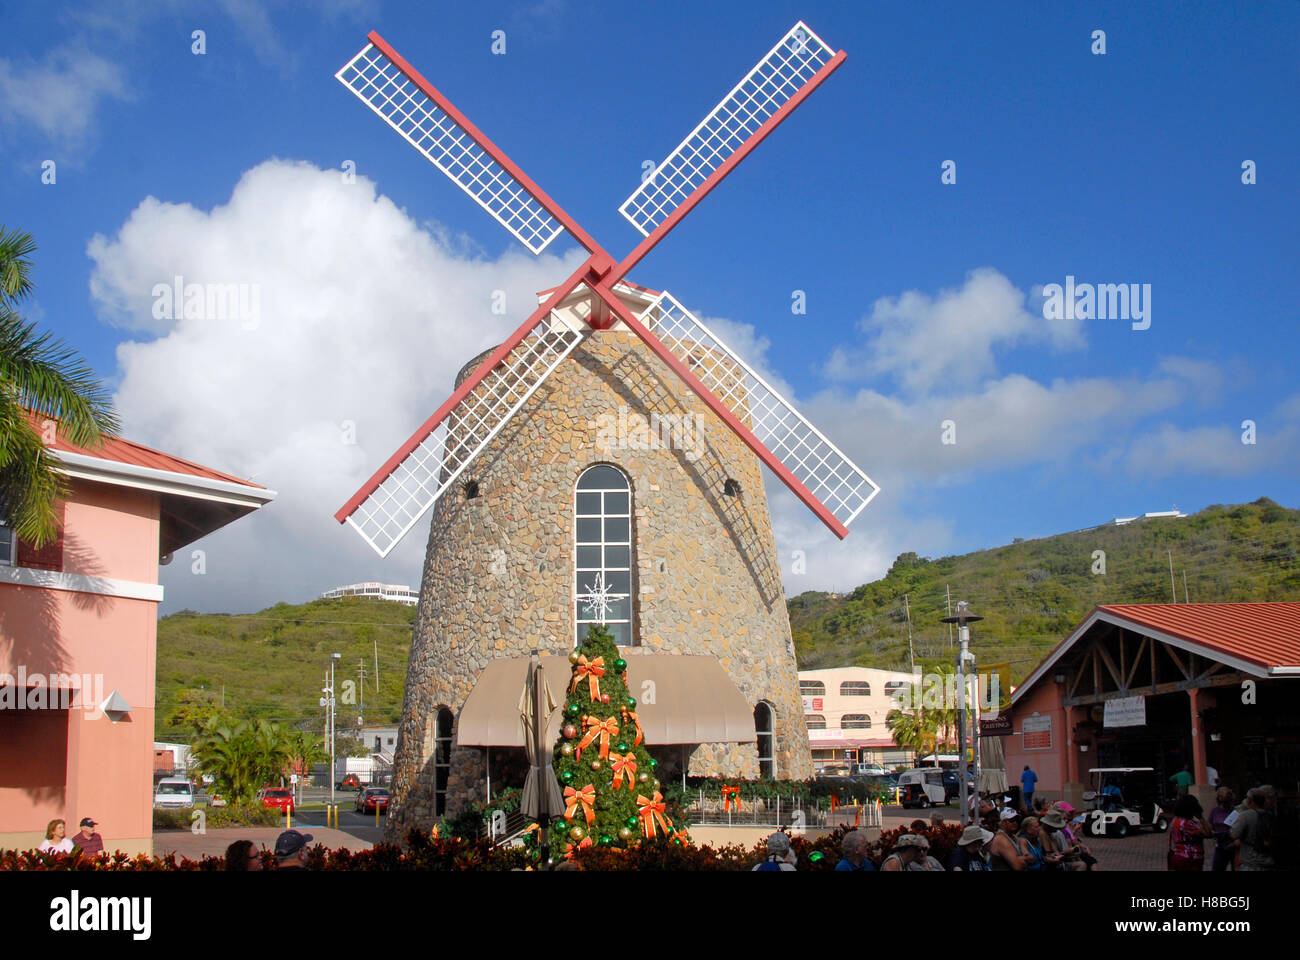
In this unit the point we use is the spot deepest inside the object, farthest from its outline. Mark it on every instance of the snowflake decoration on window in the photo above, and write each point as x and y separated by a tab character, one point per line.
599	598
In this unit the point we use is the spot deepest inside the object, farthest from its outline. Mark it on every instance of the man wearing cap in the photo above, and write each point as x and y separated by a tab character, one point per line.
972	852
291	850
1004	853
90	842
779	855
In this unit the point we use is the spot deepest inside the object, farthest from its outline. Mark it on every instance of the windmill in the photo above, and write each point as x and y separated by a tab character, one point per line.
408	484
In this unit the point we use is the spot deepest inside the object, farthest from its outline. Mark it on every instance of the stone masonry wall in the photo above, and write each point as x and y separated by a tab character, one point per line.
498	575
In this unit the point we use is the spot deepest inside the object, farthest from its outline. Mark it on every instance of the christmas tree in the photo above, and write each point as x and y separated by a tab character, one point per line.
611	794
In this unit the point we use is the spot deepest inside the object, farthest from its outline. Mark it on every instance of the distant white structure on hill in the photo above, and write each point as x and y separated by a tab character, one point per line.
1120	521
380	591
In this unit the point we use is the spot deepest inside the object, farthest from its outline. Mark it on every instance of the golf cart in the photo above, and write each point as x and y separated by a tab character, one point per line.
921	787
1123	799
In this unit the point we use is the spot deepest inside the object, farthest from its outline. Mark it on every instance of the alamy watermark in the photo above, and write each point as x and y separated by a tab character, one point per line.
632	431
208	301
57	691
938	691
1102	301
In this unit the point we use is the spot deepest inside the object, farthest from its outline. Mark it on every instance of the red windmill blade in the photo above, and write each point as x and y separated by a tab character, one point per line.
413	478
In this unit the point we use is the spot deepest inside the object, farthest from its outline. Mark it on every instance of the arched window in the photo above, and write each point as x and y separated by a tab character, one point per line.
603	552
893	686
855	688
815	721
441	759
812	688
764	726
855	721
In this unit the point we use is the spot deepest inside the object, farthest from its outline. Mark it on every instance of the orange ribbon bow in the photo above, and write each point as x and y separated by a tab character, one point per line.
584	798
652	810
631	715
569	847
593	670
597	727
727	794
624	766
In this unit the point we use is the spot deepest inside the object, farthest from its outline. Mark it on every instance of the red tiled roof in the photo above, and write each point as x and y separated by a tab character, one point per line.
1264	633
126	451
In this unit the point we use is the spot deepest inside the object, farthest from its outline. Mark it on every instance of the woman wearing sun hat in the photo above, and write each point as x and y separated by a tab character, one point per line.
972	851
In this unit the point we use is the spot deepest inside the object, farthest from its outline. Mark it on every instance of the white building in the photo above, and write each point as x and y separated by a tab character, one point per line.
379	591
845	709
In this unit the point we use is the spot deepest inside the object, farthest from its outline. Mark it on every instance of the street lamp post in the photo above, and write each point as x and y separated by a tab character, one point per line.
328	702
962	618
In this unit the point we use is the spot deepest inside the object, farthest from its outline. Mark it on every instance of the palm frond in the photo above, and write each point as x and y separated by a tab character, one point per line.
16	248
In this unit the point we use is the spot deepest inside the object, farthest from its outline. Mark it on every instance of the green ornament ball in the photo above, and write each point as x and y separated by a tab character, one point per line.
631	703
677	840
560	825
573	709
631	821
620	664
653	763
567	776
606	840
815	856
622	747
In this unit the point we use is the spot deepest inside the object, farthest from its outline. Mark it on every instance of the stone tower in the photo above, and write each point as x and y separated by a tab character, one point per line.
501	575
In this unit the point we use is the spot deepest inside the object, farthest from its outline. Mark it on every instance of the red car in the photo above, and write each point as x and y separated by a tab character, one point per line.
372	800
278	798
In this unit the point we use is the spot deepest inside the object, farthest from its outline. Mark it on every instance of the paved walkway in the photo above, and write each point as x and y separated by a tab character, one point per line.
213	843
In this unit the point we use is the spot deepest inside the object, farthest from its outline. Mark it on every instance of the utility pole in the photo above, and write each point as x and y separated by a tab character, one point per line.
1172	588
329	702
963	618
376	639
1185	600
361	673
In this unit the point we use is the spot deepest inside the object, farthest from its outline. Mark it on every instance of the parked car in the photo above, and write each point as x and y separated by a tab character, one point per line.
867	770
371	800
1124	799
173	792
277	798
952	786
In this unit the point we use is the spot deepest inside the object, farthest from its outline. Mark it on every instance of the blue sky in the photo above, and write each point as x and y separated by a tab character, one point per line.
922	297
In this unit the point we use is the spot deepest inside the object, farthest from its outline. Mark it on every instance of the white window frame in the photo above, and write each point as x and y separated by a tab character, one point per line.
585	579
8	558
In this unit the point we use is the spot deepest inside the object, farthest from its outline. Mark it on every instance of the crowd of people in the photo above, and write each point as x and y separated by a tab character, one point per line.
1045	836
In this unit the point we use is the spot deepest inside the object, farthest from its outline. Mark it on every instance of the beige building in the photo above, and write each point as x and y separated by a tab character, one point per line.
845	710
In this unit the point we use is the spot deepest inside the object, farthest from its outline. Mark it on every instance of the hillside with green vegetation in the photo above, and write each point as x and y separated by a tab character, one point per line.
271	664
1032	593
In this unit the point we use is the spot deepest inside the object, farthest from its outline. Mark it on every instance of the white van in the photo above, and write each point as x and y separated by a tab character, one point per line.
921	787
173	792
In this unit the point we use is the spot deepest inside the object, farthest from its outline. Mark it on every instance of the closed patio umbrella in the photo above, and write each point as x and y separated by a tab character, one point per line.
541	799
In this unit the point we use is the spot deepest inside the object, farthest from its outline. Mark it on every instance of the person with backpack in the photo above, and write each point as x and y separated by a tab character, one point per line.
779	854
1252	832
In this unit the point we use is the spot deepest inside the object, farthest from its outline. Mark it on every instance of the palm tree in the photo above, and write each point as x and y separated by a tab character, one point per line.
41	378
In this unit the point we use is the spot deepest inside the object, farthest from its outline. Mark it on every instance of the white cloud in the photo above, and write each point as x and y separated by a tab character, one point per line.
59	94
948	341
364	317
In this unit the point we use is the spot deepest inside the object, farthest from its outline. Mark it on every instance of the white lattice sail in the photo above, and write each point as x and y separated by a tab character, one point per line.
786	69
441	453
830	476
382	86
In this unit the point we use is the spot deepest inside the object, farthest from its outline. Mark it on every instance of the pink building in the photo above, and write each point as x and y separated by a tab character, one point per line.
78	629
1209	686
